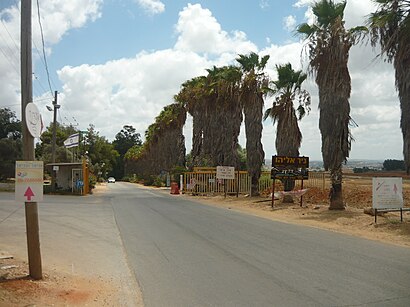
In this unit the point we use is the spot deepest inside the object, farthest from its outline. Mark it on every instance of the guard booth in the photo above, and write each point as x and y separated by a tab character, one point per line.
70	177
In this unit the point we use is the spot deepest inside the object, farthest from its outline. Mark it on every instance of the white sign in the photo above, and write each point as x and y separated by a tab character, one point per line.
33	120
29	181
225	172
387	193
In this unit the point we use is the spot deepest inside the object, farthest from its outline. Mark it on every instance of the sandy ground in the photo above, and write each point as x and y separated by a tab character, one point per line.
75	270
58	288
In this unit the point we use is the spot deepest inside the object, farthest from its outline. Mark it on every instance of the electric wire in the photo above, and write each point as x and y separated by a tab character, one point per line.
12	56
18	208
11	37
43	45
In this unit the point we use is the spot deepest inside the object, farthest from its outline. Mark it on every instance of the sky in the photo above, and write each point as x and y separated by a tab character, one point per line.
119	62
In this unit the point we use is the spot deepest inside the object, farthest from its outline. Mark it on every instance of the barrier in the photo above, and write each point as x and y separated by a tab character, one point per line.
204	182
174	188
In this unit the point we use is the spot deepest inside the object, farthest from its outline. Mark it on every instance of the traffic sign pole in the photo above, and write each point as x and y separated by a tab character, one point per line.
31	210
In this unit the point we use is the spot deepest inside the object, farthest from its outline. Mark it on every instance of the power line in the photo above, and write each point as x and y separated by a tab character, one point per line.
43	45
11	54
11	37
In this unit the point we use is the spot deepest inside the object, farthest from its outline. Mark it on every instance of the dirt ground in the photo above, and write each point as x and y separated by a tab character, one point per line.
55	289
314	212
58	289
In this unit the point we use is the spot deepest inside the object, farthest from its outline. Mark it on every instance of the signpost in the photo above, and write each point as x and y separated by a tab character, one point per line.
29	181
225	172
388	195
290	168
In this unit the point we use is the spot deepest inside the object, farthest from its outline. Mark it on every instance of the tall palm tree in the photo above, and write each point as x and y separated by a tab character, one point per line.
252	93
193	96
328	45
287	90
164	146
390	26
221	139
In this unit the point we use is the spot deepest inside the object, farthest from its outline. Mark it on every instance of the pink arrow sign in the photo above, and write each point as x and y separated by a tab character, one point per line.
29	194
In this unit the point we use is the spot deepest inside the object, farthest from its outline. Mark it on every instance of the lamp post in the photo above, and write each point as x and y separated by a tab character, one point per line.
53	144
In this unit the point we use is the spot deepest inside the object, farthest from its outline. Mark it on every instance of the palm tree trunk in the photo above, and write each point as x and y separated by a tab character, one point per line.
288	185
254	148
402	84
336	195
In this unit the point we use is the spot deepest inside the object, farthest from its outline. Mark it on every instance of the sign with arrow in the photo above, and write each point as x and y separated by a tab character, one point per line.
29	181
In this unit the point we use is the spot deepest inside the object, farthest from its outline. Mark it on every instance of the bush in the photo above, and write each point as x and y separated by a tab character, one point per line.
158	182
92	179
393	165
176	172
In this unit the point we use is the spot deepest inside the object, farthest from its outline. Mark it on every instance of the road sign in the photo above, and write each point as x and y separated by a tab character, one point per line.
29	181
225	172
33	120
387	193
290	167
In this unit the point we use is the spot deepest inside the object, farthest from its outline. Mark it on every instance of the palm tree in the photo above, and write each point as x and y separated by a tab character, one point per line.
390	26
193	96
287	90
224	122
328	45
164	146
252	93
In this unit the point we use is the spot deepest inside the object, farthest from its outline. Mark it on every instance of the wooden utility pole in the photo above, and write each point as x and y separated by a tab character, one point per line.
31	209
53	145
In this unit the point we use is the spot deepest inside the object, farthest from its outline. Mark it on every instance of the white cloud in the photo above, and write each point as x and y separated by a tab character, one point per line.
128	91
57	17
264	4
200	32
289	23
302	3
152	6
134	90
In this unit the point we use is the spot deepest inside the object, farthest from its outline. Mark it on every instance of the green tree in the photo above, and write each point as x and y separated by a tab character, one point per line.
394	165
224	116
100	152
287	90
193	95
328	45
44	147
10	151
10	142
10	126
213	103
390	26
164	146
124	140
254	81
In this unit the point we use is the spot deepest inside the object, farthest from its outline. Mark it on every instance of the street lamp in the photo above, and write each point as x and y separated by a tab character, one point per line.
53	144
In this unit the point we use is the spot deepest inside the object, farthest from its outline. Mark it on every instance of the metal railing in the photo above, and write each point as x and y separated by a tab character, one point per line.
204	182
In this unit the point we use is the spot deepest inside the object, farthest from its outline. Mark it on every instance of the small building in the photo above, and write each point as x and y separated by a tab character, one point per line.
70	177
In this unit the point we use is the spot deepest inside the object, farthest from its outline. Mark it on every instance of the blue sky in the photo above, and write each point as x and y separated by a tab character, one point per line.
117	62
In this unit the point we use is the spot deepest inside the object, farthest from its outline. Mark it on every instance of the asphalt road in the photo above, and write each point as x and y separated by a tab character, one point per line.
183	253
187	254
78	237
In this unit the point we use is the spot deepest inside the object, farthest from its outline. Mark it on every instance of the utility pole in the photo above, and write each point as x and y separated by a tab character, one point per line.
31	209
53	145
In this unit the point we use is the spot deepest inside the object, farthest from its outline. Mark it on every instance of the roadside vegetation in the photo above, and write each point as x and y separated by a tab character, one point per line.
225	97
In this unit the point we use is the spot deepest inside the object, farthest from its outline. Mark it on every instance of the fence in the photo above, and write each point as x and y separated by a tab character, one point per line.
204	181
